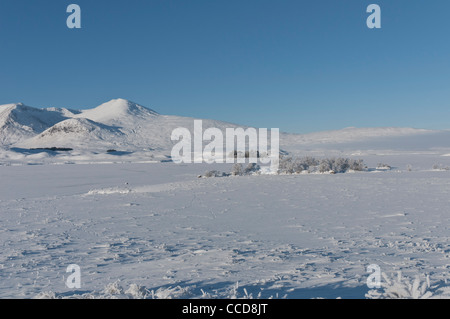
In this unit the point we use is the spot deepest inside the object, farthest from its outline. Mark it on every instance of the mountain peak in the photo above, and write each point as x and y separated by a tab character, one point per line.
122	105
116	111
12	106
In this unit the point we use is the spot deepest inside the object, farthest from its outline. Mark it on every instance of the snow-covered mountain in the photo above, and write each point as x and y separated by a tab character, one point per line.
76	132
19	122
118	112
118	125
130	128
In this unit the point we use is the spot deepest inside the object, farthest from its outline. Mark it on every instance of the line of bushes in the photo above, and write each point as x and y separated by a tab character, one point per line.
297	165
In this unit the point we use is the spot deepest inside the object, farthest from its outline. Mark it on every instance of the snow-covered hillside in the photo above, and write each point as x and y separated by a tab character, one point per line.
135	132
139	134
78	132
19	122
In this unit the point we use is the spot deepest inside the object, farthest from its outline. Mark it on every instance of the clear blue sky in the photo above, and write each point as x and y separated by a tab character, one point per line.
301	66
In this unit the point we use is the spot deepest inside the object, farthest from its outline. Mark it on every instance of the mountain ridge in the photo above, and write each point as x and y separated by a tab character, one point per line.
128	127
19	121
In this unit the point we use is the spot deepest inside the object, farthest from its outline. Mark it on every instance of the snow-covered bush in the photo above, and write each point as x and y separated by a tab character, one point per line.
340	165
294	165
286	165
297	165
45	295
383	166
177	292
399	287
440	167
113	289
137	292
309	161
326	165
214	173
252	168
246	154
237	170
357	165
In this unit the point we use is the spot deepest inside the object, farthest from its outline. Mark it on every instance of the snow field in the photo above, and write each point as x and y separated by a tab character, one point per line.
158	231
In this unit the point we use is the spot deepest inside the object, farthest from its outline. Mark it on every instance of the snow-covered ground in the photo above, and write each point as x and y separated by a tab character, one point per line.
139	225
159	231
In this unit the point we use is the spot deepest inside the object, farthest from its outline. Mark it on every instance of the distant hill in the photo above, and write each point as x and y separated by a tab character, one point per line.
140	133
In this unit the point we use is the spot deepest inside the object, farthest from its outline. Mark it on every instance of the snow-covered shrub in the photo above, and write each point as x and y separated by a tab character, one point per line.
177	292
252	168
237	170
113	289
45	295
440	167
214	173
234	292
326	165
295	165
286	165
137	292
246	154
383	166
357	165
341	165
309	161
402	288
